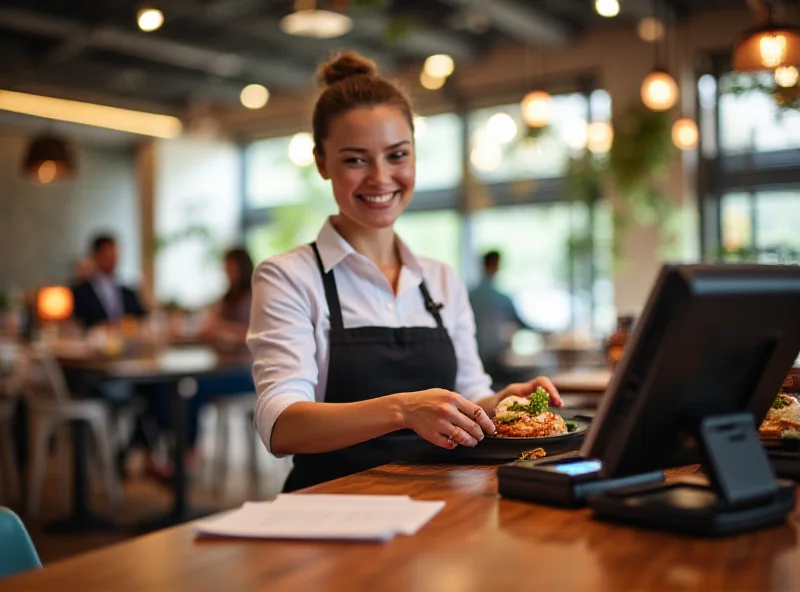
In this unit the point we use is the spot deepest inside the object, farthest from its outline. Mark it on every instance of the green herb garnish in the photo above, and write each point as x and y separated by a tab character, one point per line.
779	403
539	400
510	417
571	426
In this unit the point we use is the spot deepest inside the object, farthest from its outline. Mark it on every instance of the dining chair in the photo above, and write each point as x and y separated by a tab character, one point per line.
9	472
17	553
52	407
225	409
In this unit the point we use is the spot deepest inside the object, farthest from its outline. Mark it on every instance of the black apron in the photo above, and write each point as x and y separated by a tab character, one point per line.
369	362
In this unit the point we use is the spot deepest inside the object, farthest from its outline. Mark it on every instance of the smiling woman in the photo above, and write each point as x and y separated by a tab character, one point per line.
360	347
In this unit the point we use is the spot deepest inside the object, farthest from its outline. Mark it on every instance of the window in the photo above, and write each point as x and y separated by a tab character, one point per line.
438	147
749	118
434	234
501	151
761	226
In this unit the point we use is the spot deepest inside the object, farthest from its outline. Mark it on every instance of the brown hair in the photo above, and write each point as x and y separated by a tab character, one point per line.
352	81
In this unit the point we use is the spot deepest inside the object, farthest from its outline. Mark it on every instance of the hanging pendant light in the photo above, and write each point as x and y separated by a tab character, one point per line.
767	47
536	108
684	134
49	158
308	20
659	90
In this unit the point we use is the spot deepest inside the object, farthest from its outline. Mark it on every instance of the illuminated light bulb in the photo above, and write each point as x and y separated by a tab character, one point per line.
431	82
659	91
486	156
575	134
607	8
650	29
536	108
440	65
301	149
772	49
254	96
149	19
786	76
54	303
502	128
47	171
599	137
684	134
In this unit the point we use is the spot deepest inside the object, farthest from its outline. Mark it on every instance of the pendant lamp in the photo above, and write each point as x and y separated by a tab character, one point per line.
767	47
308	20
659	90
49	158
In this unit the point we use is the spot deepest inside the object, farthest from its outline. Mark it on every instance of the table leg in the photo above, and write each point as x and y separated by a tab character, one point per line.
81	519
180	512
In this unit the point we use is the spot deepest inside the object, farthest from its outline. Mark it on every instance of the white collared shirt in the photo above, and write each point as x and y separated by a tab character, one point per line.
289	324
110	295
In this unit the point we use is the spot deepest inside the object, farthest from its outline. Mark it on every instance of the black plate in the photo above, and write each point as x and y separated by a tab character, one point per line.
499	450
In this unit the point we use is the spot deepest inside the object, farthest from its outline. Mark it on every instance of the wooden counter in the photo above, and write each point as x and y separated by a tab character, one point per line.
478	542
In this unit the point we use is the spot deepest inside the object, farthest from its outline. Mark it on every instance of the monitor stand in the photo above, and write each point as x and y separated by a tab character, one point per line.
743	493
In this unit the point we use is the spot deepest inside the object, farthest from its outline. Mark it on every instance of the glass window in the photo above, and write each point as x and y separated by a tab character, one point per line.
272	179
777	214
432	234
534	241
736	213
749	118
438	147
501	151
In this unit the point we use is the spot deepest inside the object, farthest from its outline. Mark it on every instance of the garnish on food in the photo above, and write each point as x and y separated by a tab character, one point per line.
571	425
521	417
538	403
533	454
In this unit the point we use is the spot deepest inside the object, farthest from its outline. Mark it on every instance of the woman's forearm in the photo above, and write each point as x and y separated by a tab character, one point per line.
305	428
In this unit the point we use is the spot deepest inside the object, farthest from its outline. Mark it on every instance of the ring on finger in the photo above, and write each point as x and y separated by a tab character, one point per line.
477	412
451	440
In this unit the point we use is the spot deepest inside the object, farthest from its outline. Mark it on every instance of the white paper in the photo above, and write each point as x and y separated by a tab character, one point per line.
325	517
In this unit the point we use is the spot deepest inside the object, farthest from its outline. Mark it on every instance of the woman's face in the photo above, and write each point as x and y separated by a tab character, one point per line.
369	159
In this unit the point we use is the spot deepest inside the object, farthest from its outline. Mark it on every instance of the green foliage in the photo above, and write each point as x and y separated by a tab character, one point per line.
786	99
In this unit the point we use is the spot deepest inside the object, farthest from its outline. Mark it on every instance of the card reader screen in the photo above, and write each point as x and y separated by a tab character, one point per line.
579	468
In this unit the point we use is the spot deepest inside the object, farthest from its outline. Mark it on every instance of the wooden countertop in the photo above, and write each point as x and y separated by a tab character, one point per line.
478	542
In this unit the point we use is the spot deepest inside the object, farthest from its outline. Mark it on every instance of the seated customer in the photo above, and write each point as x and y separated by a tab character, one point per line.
101	298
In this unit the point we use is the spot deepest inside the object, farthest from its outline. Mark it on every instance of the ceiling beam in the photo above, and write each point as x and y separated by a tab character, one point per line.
522	22
278	71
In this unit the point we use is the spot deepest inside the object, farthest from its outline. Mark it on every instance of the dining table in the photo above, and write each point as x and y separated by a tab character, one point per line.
478	542
177	368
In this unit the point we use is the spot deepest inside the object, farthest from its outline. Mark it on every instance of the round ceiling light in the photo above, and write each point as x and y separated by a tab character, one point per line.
650	29
599	137
536	108
440	65
659	90
786	76
301	149
254	96
319	24
607	8
502	128
431	82
149	19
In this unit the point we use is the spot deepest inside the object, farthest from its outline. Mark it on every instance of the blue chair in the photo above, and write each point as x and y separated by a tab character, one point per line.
17	552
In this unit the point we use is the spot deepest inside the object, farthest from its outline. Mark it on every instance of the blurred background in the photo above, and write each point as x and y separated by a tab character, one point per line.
583	142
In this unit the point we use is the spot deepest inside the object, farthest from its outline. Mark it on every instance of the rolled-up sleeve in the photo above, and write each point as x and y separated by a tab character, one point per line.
472	382
281	340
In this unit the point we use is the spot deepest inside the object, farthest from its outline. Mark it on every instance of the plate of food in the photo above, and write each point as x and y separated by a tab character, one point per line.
781	427
525	426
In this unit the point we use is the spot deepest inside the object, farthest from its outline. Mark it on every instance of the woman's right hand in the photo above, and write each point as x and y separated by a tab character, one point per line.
445	418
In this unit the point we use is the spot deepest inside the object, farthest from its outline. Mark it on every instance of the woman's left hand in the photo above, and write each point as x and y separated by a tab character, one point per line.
523	389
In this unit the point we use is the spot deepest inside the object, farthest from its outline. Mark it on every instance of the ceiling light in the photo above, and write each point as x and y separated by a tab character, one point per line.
650	29
536	108
599	137
54	303
49	158
320	24
767	47
431	82
301	149
124	120
786	76
149	19
502	128
684	133
659	90
575	132
607	8
254	96
440	65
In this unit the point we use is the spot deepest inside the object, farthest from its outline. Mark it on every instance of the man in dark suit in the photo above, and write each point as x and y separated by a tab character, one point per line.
100	299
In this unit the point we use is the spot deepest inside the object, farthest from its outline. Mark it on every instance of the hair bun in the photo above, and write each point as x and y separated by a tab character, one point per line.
343	66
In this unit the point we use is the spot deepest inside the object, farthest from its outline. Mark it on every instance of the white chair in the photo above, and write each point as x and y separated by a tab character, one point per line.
51	407
226	408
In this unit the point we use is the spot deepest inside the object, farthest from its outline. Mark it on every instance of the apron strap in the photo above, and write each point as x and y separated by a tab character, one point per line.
335	308
331	293
433	307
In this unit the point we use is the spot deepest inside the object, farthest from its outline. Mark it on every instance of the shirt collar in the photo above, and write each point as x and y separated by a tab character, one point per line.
333	249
